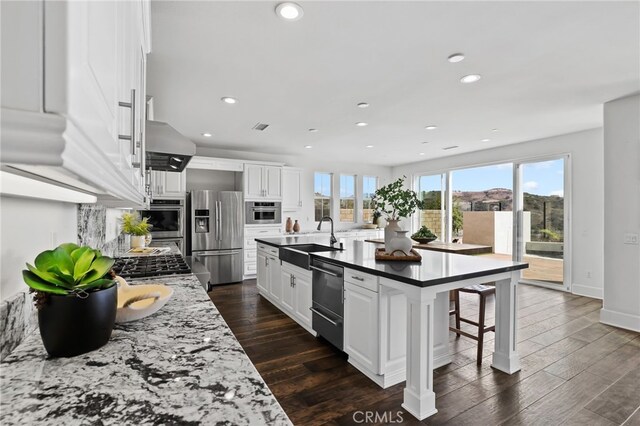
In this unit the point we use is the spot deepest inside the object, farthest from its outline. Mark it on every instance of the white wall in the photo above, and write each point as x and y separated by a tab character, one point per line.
621	305
27	227
587	193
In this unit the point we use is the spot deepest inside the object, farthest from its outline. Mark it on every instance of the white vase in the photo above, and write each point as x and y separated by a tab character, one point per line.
390	233
137	241
400	242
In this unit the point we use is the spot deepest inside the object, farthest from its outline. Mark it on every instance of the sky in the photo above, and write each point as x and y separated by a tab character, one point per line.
542	178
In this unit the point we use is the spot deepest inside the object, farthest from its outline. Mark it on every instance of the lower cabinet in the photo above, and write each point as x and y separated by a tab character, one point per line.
375	329
268	277
296	294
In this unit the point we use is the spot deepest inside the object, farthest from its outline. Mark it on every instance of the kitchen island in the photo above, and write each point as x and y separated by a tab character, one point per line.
424	286
181	365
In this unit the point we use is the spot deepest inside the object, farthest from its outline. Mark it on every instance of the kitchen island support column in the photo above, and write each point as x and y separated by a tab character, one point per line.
505	357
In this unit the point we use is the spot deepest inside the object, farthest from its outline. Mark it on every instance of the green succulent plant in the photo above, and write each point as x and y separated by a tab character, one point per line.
69	269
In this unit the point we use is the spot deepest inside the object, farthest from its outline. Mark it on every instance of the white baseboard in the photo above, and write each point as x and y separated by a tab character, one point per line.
382	380
587	291
620	319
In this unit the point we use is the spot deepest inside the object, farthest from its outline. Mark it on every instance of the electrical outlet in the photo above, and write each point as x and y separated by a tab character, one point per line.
588	274
631	238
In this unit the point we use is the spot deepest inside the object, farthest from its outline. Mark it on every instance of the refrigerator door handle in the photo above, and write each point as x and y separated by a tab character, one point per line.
220	220
219	253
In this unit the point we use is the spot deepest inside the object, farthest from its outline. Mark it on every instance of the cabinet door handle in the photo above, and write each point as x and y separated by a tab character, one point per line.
294	280
357	278
132	106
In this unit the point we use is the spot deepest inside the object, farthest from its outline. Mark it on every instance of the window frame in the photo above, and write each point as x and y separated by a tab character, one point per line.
364	197
354	198
315	197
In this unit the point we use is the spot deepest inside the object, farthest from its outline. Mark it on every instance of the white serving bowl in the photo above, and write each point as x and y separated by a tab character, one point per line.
141	300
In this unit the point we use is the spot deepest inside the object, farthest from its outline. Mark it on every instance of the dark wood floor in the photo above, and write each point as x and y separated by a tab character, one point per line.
575	370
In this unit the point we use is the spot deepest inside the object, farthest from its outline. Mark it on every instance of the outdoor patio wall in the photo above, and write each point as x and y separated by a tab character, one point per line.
621	305
587	203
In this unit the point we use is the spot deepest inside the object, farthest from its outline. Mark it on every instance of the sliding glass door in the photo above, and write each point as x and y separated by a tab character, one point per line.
430	189
542	221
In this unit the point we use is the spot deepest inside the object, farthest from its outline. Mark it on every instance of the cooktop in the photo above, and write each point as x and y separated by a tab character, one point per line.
151	266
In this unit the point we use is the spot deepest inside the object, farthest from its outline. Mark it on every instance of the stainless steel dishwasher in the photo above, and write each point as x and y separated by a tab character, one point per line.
328	301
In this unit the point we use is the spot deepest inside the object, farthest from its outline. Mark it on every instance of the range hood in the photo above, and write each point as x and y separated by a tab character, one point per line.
167	149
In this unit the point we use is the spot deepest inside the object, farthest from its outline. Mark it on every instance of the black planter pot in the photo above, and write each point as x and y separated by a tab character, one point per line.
70	325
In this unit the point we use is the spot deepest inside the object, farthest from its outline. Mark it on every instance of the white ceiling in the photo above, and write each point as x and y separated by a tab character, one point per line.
547	68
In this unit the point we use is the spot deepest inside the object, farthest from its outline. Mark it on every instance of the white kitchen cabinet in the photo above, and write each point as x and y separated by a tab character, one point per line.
210	163
288	295
303	302
268	267
291	189
168	184
250	234
66	124
296	294
361	326
262	278
262	182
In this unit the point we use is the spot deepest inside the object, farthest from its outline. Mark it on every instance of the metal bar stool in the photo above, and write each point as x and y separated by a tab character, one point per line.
483	291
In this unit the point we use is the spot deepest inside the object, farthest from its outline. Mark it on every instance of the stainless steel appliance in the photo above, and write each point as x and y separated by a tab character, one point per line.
263	212
151	266
216	229
168	219
167	149
328	301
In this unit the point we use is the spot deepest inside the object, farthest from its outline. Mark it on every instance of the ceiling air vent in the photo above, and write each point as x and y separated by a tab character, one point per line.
260	126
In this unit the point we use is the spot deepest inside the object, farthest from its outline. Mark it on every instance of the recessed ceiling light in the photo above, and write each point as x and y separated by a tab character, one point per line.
308	146
313	130
369	146
207	135
228	100
422	153
456	57
361	124
431	127
494	130
450	147
471	78
363	105
424	143
485	140
289	11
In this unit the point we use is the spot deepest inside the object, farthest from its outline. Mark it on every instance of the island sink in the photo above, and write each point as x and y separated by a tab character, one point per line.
299	254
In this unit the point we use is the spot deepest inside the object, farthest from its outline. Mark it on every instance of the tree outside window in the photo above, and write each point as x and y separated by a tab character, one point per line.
322	195
369	186
347	198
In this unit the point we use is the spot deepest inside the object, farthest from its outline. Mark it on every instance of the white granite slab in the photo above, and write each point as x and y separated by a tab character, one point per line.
180	366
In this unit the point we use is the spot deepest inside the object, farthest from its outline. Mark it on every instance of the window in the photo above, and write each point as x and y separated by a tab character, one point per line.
369	186
430	191
322	195
347	198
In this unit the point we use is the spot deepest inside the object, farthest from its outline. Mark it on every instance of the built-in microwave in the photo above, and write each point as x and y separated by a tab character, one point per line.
166	217
263	212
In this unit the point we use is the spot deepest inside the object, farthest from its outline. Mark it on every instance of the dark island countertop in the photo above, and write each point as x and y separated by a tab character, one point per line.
435	267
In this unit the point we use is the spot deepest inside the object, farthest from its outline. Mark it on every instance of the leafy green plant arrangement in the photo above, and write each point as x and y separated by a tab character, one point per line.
424	233
69	269
549	235
396	202
132	224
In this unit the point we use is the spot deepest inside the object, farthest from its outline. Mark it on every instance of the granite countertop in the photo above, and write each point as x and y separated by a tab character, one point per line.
435	267
182	365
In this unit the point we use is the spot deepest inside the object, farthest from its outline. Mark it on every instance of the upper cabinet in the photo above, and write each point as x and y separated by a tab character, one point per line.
291	189
75	110
262	182
165	185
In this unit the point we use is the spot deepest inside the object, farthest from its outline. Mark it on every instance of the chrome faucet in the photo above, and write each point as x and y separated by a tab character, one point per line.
332	240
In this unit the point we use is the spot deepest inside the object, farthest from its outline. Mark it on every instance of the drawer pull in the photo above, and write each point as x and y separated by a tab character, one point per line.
357	278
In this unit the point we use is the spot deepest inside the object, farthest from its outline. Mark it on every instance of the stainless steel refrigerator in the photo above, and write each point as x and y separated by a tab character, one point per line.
217	225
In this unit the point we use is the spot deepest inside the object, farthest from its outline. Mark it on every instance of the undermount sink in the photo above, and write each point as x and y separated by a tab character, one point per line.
299	254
